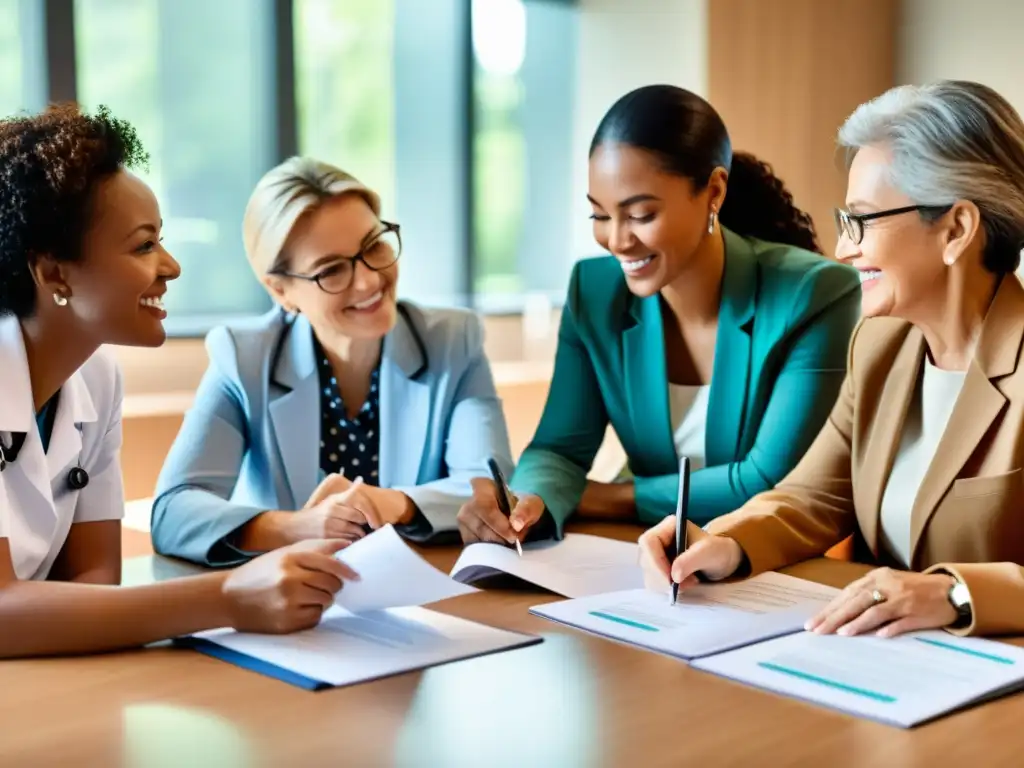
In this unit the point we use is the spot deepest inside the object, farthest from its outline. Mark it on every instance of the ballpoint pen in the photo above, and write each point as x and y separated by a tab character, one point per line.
504	495
682	502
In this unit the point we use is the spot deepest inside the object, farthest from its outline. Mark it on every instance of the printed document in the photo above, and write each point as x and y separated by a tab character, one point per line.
347	648
707	619
392	575
902	681
577	566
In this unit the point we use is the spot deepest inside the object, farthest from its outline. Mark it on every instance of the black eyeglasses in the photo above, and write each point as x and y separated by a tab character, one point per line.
852	224
379	253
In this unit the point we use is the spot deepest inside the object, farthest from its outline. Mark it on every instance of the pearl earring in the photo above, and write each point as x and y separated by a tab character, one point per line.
59	300
711	222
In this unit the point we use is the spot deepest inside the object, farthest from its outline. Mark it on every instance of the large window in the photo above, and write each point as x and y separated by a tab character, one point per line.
195	78
524	85
344	78
458	112
22	79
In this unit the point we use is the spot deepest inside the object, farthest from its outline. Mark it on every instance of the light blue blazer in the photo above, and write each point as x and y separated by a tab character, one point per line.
251	443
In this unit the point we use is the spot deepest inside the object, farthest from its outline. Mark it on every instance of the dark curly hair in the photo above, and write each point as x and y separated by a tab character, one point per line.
689	138
49	166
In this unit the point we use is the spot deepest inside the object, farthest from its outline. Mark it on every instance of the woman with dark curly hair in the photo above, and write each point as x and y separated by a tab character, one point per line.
81	265
713	331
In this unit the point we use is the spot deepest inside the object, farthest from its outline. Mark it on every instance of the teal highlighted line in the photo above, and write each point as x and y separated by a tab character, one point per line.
883	697
627	622
968	651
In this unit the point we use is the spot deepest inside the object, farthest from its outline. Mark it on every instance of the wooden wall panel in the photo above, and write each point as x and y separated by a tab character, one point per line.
784	74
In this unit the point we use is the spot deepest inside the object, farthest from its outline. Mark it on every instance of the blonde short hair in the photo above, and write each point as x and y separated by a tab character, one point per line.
282	197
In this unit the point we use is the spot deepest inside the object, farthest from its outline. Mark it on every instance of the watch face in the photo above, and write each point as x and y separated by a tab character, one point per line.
959	596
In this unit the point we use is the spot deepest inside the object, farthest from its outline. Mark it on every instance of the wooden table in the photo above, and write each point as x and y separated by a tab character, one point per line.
573	700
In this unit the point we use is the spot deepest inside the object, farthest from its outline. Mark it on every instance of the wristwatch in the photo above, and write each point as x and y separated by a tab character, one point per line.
960	599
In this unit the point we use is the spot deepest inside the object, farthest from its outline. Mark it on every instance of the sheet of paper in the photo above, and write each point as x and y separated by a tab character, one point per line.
392	575
347	648
706	619
902	681
576	566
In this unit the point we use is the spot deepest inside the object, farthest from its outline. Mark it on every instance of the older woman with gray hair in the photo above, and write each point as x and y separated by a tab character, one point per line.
921	457
342	409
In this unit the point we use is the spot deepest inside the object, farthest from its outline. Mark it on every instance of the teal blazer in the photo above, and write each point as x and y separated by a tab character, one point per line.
780	357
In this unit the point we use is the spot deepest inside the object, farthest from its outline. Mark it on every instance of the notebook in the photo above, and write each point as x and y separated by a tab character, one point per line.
347	648
576	566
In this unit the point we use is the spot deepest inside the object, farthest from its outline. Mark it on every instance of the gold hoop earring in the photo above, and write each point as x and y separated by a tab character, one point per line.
60	300
711	222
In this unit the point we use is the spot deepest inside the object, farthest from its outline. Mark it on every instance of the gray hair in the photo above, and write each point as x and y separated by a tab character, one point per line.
282	196
952	140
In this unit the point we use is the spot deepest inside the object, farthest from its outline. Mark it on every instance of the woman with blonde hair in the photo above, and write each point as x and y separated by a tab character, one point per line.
342	409
921	457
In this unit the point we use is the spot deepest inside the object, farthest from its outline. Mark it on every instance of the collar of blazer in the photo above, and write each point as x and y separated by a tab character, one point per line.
646	371
297	362
980	402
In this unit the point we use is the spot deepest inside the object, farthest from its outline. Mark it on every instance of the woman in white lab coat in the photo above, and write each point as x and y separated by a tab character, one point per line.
81	265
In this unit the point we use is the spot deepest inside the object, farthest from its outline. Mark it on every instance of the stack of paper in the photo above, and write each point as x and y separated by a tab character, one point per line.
576	566
375	628
706	619
752	631
902	681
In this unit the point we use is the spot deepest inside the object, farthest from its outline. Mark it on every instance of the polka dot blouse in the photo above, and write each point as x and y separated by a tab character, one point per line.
348	445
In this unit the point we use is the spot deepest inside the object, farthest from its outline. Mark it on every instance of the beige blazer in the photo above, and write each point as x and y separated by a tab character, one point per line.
968	516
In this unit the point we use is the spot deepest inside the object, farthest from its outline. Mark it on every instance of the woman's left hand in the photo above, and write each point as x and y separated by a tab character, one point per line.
889	603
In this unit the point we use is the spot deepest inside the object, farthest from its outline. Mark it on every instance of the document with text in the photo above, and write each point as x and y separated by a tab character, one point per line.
392	575
348	648
576	566
706	619
903	681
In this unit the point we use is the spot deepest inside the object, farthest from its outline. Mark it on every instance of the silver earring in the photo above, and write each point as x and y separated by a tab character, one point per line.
711	222
59	300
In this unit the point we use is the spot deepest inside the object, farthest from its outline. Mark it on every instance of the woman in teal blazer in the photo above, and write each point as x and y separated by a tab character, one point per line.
714	330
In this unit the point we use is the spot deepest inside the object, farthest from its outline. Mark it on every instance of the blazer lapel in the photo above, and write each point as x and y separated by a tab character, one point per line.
887	429
295	414
646	376
730	378
978	404
405	411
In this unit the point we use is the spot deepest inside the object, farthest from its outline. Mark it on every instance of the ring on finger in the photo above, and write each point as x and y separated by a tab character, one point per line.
877	596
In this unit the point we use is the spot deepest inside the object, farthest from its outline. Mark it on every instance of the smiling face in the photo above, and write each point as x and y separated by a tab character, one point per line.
650	220
115	289
318	245
900	257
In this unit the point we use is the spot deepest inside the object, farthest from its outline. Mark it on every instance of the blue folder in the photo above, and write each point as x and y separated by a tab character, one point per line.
251	663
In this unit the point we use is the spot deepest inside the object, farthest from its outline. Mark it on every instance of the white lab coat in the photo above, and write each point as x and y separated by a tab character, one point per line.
37	506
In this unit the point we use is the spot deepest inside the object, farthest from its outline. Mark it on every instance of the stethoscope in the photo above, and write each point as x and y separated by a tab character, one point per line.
78	478
402	310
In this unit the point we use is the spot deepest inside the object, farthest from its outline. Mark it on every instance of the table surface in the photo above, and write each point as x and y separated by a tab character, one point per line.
573	700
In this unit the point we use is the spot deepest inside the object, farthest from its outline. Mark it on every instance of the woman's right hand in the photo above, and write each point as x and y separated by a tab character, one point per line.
716	557
286	590
481	519
328	515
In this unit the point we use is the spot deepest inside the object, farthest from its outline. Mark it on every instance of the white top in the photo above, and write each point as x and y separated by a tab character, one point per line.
927	415
37	506
688	406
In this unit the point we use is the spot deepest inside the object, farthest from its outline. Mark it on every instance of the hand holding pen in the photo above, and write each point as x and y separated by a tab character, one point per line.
676	554
496	515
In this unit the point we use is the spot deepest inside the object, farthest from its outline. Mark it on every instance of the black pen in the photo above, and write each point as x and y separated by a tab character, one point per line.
682	503
504	495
